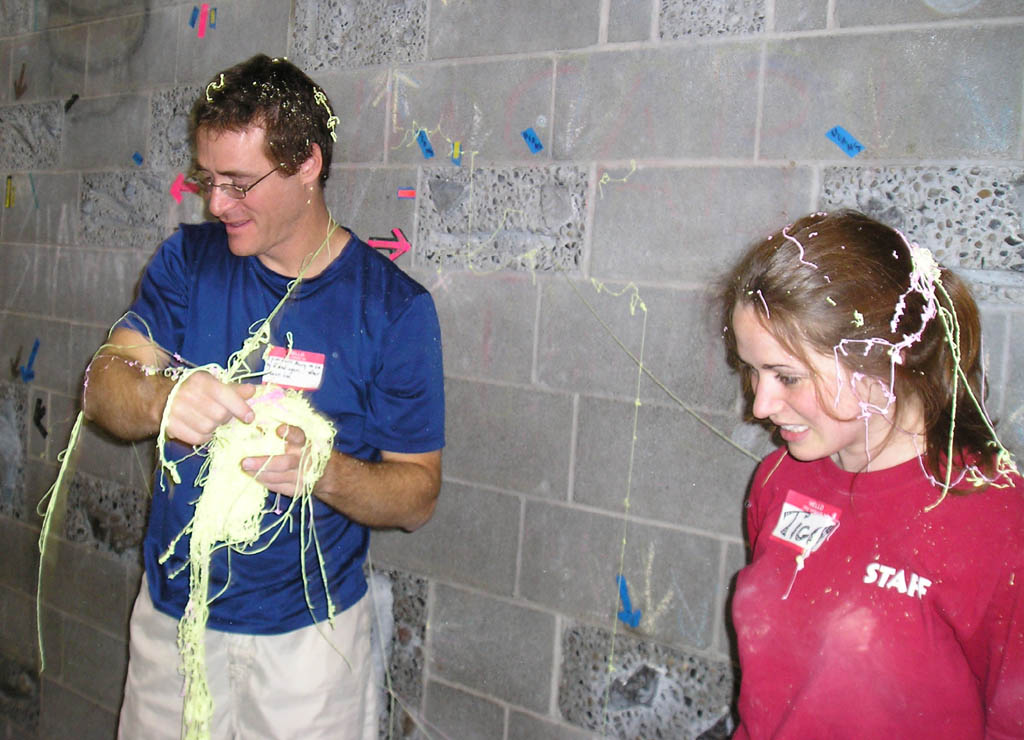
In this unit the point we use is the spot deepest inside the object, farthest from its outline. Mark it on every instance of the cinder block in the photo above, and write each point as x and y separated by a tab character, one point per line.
458	714
16	17
77	11
123	209
571	558
800	15
1011	428
710	215
483	105
358	34
95	663
18	333
244	28
365	200
105	132
27	277
969	217
61	412
65	713
98	284
19	693
503	218
84	342
629	20
132	52
508	438
679	102
90	585
491	646
409	611
680	19
487	324
107	516
996	343
45	210
169	148
488	27
468	521
670	479
359	99
523	726
851	13
54	63
651	690
6	91
19	633
894	115
32	135
21	555
725	635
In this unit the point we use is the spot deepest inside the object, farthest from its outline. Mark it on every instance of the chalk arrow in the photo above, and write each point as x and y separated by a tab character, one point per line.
627	615
20	86
179	184
400	245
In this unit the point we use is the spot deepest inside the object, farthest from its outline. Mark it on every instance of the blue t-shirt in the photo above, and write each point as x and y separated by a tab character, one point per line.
382	386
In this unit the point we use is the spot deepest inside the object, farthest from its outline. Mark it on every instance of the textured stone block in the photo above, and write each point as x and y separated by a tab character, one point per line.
13	446
492	646
800	15
89	584
244	28
651	690
483	105
39	476
45	209
670	480
123	209
978	72
503	218
19	693
169	147
365	201
969	217
54	63
333	35
405	668
106	516
675	102
881	12
467	522
711	214
27	278
523	726
66	714
359	99
508	437
487	324
98	284
585	336
458	714
132	52
105	132
486	27
685	18
1011	428
629	20
16	17
571	558
95	664
32	135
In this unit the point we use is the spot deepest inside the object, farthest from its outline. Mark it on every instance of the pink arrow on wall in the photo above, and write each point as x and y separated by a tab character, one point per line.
399	245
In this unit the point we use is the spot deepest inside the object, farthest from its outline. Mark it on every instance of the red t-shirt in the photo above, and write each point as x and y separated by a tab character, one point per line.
898	622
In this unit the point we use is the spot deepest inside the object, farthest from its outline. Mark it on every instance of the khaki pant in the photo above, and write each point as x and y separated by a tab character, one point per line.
263	686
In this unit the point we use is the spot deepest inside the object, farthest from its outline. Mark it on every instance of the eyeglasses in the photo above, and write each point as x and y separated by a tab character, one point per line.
204	182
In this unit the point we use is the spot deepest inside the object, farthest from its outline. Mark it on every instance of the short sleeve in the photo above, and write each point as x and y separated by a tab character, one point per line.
160	309
405	408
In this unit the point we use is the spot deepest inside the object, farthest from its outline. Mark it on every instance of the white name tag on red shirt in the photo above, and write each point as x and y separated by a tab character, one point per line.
805	523
293	368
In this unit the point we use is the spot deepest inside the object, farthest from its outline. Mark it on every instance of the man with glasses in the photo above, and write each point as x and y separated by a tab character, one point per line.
346	327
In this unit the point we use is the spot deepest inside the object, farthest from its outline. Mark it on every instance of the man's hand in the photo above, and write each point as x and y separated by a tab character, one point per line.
280	473
203	403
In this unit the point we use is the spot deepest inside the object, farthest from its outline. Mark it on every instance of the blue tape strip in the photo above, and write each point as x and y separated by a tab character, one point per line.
845	141
424	141
532	140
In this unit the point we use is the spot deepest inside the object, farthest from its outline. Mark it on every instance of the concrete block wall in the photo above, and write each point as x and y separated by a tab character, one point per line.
674	132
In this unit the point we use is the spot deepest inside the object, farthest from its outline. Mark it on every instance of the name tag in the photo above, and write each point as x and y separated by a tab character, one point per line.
805	523
295	368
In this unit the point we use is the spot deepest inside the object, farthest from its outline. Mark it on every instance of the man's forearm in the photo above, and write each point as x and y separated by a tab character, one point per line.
122	398
390	493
